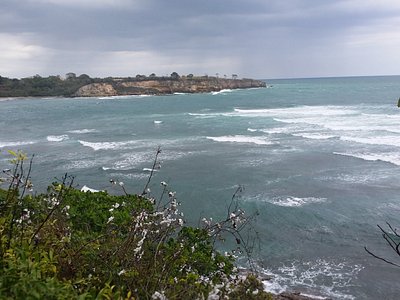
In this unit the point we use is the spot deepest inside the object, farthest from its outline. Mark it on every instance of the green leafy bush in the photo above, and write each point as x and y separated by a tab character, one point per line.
68	244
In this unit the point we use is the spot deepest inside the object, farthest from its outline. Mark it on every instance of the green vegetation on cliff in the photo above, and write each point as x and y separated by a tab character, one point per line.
36	86
85	86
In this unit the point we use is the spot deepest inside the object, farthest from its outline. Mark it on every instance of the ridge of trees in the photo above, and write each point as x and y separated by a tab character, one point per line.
53	86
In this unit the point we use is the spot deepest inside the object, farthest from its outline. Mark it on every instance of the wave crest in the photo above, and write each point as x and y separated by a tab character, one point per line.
241	139
57	138
107	145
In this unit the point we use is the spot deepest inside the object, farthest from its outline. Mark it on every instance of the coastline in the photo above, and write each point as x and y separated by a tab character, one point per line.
4	99
84	86
164	86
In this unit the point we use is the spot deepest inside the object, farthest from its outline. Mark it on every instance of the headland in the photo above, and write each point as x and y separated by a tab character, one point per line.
85	86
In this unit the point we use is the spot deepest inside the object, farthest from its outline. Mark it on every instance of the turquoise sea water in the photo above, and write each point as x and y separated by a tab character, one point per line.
319	159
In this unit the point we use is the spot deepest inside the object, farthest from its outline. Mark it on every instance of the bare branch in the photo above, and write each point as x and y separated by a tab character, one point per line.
152	171
56	206
381	258
393	230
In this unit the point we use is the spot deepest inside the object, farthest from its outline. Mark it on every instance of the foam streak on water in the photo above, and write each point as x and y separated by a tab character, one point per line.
107	145
15	144
82	131
291	201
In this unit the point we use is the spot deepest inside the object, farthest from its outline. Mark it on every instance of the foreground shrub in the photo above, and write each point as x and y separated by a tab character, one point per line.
68	244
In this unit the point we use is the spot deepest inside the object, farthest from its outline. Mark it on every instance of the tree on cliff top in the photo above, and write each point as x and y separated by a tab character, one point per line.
175	75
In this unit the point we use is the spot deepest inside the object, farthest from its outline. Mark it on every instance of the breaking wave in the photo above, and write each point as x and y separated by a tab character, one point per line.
314	136
222	92
393	158
241	139
374	140
107	145
57	138
298	111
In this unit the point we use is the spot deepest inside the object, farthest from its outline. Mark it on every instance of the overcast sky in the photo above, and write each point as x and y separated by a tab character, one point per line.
251	38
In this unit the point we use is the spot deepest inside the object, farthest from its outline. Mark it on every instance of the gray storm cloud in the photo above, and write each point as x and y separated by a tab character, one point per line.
263	39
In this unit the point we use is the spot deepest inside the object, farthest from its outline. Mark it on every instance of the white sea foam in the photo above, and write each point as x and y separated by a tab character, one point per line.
123	97
336	120
314	136
108	145
380	116
350	178
78	164
57	138
157	122
296	201
374	140
252	130
279	130
298	111
282	128
241	139
150	170
327	278
392	157
15	144
134	176
209	115
222	92
82	131
132	160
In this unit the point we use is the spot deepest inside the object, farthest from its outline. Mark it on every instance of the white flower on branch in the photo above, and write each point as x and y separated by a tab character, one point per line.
158	296
138	249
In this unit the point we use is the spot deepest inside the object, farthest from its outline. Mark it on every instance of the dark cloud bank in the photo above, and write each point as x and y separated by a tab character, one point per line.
254	38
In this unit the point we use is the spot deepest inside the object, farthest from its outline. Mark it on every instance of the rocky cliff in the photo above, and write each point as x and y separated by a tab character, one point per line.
97	90
163	86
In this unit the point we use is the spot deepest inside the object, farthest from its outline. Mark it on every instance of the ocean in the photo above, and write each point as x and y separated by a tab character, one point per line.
319	160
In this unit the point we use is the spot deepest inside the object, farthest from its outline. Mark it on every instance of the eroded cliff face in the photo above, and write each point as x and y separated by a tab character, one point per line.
96	90
165	86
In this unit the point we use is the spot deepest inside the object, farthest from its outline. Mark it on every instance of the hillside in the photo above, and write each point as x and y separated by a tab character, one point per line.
85	86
